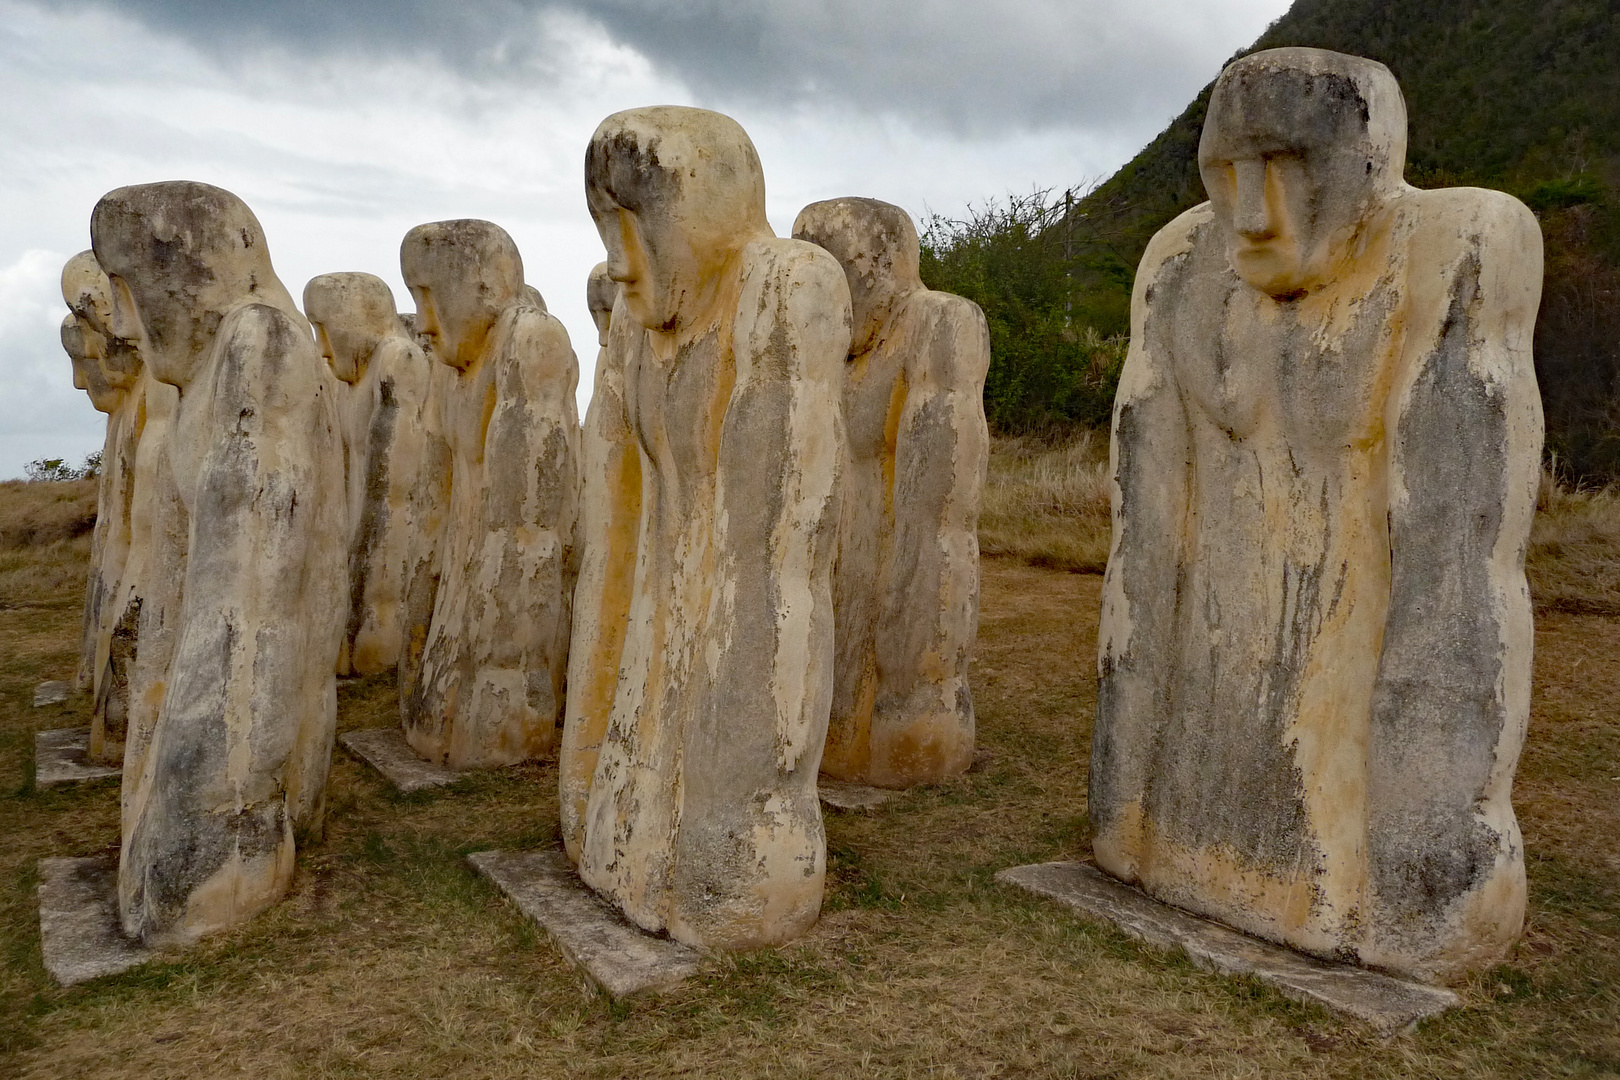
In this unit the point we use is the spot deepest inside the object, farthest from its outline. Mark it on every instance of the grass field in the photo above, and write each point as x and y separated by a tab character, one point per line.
391	959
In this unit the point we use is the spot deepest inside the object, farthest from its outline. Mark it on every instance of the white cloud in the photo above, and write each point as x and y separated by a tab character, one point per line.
341	148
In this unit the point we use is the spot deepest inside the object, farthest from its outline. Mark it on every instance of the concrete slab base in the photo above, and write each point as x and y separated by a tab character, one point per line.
79	932
51	692
1386	1003
592	935
851	797
386	750
62	756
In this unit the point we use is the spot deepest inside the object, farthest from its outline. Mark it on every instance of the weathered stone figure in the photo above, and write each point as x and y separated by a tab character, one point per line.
234	767
906	581
609	527
489	687
1316	632
702	816
388	431
108	373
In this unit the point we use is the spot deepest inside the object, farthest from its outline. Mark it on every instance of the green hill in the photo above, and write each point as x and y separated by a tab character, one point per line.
1521	95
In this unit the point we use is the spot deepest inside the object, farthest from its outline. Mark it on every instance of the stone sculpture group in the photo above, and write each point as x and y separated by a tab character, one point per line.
757	562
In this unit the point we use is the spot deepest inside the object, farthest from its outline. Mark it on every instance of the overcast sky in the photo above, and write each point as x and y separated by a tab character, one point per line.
342	123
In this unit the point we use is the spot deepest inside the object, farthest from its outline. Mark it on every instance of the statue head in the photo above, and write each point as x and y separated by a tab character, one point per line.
350	313
89	374
676	193
600	293
876	244
462	274
179	257
1301	149
88	294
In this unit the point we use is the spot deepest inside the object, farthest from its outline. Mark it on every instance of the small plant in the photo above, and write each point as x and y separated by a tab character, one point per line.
57	470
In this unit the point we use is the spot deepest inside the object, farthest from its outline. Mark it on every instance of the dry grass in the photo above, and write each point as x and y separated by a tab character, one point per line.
1572	561
44	542
44	513
1047	504
391	959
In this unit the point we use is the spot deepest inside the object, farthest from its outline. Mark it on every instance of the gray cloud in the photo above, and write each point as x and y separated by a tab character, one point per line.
973	67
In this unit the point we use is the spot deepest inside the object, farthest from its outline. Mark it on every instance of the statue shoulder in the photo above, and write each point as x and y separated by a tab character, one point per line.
538	343
1451	222
263	341
1175	239
798	264
950	330
946	309
796	287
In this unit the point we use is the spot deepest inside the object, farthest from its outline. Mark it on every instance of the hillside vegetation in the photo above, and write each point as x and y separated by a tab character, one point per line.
1520	95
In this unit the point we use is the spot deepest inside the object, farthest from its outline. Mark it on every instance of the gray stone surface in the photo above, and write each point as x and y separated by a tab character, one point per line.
617	956
79	932
51	692
840	796
386	750
1315	636
1386	1003
62	756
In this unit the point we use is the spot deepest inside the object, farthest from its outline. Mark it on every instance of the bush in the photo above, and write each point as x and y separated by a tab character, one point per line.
57	470
1056	346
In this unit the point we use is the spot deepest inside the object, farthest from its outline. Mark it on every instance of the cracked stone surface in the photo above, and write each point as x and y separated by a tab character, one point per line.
79	932
386	750
617	956
62	756
1382	1001
51	692
851	797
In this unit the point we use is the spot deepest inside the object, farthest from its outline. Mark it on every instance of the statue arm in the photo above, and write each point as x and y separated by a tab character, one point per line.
942	448
607	542
777	475
245	730
1452	694
1150	460
532	445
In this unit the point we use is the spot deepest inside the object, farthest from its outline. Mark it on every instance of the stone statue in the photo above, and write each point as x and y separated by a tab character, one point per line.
488	689
906	582
388	429
108	373
609	527
701	818
233	768
1316	632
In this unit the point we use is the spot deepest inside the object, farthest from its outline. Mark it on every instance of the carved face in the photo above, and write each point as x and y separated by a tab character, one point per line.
462	275
179	257
652	291
350	314
89	369
1300	150
600	293
88	294
675	193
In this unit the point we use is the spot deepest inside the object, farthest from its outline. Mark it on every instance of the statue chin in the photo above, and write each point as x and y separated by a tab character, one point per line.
1280	274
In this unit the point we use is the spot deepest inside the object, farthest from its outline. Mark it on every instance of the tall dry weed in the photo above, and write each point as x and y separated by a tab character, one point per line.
44	541
1574	557
44	512
1047	502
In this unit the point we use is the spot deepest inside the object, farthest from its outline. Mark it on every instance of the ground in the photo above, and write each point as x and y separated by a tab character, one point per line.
391	958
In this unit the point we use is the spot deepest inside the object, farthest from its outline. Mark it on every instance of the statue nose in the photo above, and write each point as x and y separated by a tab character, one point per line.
1251	210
